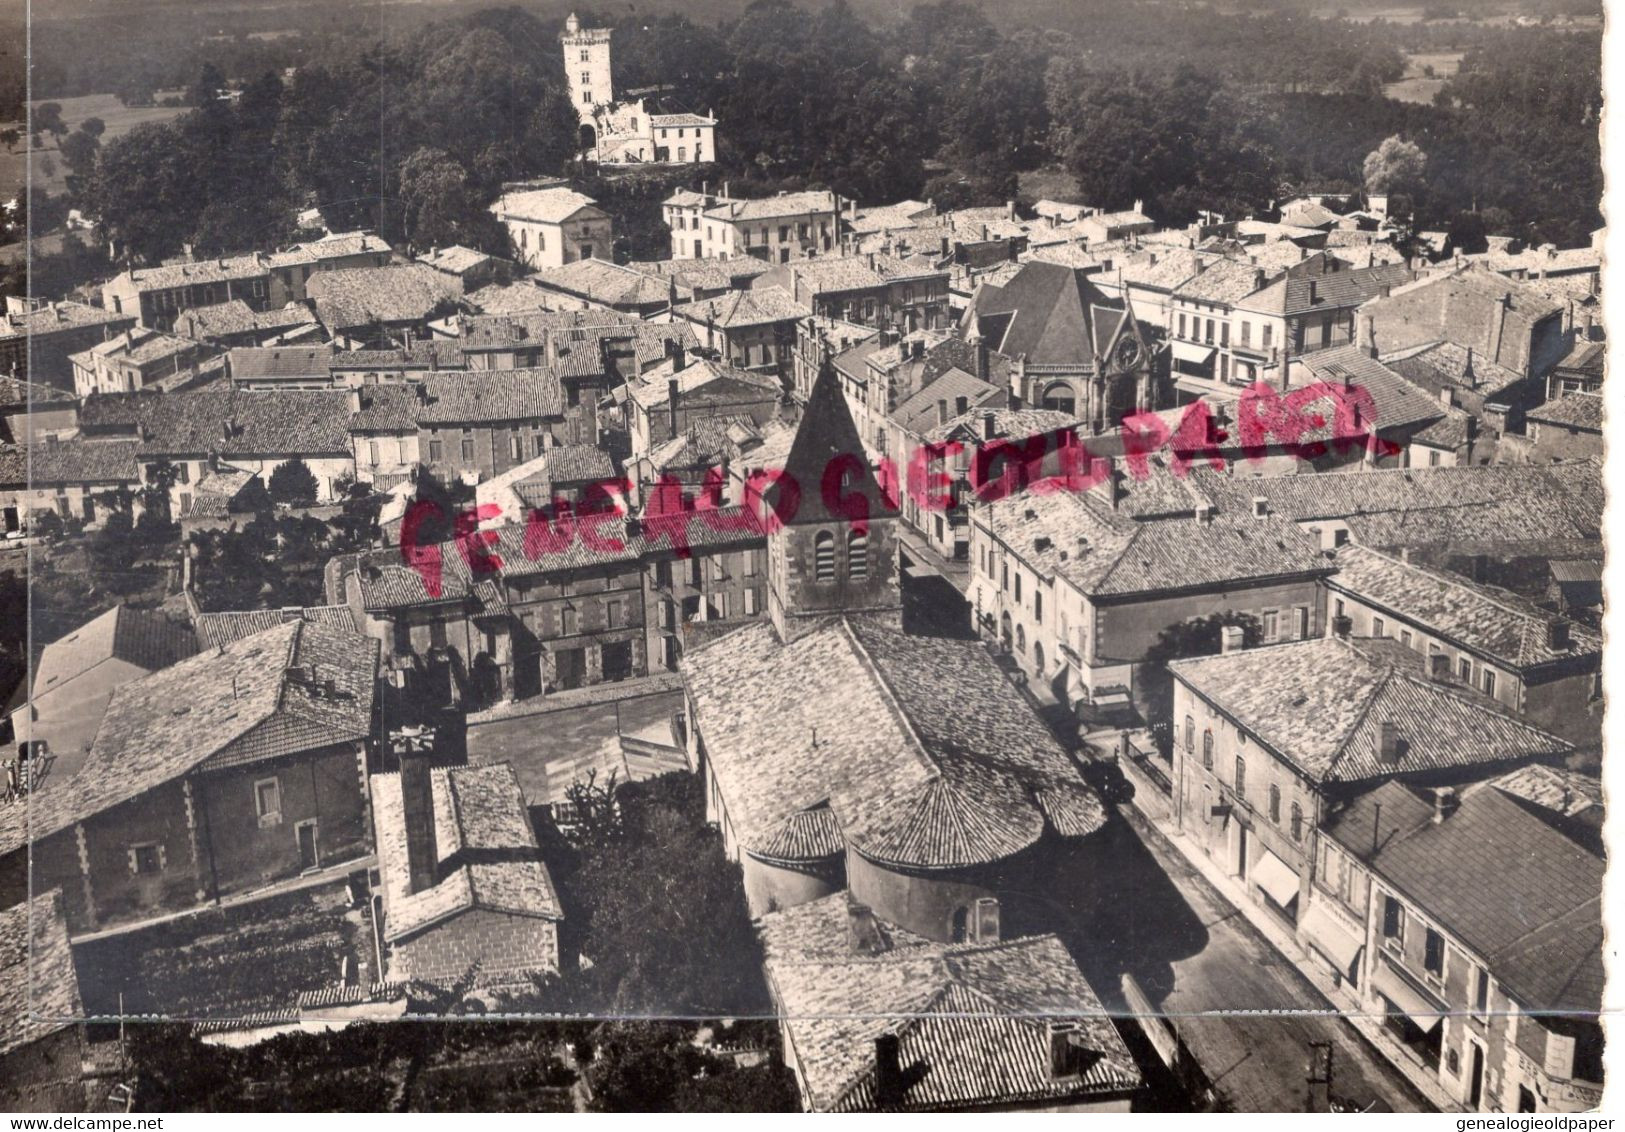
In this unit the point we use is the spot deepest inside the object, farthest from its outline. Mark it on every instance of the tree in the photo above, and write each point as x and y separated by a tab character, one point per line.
1394	166
294	483
160	478
79	151
47	117
1197	636
94	127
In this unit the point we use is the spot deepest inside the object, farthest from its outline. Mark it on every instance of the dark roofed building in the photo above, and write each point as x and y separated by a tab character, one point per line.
42	1043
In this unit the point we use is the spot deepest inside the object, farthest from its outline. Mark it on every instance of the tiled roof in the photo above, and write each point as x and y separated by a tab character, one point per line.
455	259
216	629
137	345
577	463
1107	553
1227	281
1586	357
425	353
386	408
519	297
1540	259
768	208
336	245
604	282
744	308
680	120
1303	294
1519	894
1562	791
14	391
490	395
919	412
202	271
1308	214
273	422
704	382
237	317
1577	410
972	1018
1017	423
218	708
350	297
929	763
1319	704
1164	269
255	362
1434	506
547	206
1436	366
1396	403
487	851
39	988
142	637
1489	621
83	462
51	317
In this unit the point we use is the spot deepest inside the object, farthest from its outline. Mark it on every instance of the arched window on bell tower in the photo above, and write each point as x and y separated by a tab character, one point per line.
824	557
857	555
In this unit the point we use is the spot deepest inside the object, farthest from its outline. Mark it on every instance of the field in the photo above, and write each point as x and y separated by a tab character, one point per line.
50	175
1417	85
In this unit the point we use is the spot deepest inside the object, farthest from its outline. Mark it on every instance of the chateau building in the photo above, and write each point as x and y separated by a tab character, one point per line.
626	133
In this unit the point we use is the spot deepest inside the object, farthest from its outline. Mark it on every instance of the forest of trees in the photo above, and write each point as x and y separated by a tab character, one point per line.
412	133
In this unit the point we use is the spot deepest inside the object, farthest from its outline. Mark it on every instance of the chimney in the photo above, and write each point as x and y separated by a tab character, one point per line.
1009	210
1261	506
1204	514
1389	743
990	429
1064	1050
672	396
1368	335
417	813
1232	638
1557	634
942	412
946	248
864	931
888	1071
1445	803
981	358
1447	397
355	399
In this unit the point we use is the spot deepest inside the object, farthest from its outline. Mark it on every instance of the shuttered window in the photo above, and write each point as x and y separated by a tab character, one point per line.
857	555
824	557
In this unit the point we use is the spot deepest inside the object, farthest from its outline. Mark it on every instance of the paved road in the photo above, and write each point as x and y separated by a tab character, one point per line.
1148	913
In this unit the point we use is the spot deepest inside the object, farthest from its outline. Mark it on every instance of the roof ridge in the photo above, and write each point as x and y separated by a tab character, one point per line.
1472	701
892	702
1365	709
1488	593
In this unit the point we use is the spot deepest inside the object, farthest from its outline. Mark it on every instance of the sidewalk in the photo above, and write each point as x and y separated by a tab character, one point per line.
1368	1026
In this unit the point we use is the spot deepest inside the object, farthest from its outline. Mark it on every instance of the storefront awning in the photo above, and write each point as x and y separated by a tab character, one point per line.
1276	878
1418	1007
1191	352
1327	935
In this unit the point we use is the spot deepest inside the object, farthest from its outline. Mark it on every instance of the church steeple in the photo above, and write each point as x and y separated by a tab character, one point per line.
838	552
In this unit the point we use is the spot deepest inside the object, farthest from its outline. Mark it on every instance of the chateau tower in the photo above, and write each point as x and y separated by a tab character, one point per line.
586	66
825	560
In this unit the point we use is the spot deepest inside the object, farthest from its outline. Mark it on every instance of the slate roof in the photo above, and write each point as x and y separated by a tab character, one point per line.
974	1017
487	851
1110	554
1045	313
1493	622
929	763
1518	893
272	422
215	629
1332	291
1318	705
142	637
478	396
37	976
219	708
547	206
1577	410
759	307
350	297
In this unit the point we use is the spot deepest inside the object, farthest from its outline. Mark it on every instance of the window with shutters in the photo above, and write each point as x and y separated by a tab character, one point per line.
1207	749
468	449
1275	803
1241	777
1190	733
268	801
1393	922
1464	669
824	557
1481	992
1297	822
147	858
1376	627
1489	682
750	601
857	555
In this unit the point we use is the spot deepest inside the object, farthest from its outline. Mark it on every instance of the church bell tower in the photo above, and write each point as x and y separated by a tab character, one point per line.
825	560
